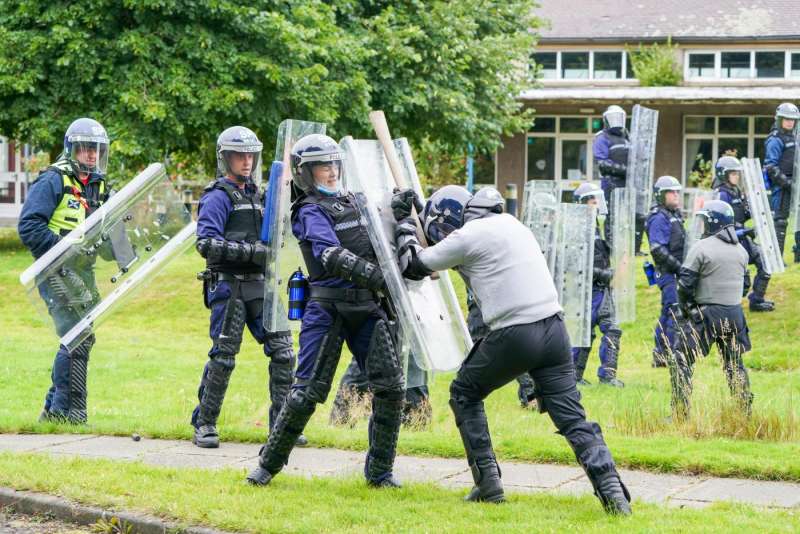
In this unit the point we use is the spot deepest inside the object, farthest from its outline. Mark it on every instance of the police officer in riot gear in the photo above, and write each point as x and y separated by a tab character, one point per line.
603	308
346	304
611	147
60	199
667	237
228	231
710	287
779	165
504	267
728	174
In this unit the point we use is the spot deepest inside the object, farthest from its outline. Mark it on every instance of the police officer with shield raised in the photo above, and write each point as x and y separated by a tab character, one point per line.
728	175
779	166
604	314
667	238
710	287
228	232
60	199
346	305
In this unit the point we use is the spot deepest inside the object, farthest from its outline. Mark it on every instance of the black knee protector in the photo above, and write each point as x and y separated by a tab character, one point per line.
330	350
591	451
229	340
384	372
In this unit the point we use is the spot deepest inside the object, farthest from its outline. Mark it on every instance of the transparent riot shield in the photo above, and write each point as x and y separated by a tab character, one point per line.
574	268
540	214
760	213
284	255
795	207
623	259
694	202
432	327
118	248
641	157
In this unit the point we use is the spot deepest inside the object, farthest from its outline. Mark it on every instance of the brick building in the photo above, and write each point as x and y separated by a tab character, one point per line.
739	60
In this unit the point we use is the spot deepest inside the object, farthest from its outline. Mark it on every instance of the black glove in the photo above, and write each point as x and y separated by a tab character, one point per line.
260	252
778	178
602	276
403	201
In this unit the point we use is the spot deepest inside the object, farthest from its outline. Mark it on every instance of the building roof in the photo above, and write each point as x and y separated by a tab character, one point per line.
676	94
684	20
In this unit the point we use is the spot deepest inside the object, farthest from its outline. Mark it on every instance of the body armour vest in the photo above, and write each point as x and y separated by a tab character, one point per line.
243	224
602	252
618	149
737	202
348	224
786	163
677	234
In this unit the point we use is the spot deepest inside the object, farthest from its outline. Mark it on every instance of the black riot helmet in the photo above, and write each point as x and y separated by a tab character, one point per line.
312	150
717	215
663	185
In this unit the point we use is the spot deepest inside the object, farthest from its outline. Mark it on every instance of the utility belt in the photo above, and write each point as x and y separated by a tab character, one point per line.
211	278
342	294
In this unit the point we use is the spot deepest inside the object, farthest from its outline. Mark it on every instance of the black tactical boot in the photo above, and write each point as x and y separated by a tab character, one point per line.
384	429
762	306
474	430
613	494
488	486
206	437
612	381
580	366
388	482
259	477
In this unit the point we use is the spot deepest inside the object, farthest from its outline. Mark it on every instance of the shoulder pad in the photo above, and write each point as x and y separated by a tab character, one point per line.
211	185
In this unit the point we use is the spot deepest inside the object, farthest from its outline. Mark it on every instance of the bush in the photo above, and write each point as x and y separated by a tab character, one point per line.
655	66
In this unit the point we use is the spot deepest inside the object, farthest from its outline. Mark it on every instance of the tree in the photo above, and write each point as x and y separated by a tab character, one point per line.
166	76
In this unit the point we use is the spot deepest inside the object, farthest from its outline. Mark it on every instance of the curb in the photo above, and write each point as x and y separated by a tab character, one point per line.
29	503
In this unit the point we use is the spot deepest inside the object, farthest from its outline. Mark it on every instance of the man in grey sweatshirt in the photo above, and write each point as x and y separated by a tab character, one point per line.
710	290
503	266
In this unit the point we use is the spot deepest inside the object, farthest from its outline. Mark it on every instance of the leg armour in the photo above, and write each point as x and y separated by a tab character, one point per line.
736	374
298	408
281	372
79	363
217	375
561	400
780	231
796	247
680	370
386	380
474	429
580	357
525	388
609	353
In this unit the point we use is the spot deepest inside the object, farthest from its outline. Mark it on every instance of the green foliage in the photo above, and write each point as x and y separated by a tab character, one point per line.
655	65
702	174
166	77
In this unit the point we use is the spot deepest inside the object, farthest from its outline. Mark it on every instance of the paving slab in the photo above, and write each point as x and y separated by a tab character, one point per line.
309	462
527	477
659	488
33	442
118	448
195	461
416	469
760	493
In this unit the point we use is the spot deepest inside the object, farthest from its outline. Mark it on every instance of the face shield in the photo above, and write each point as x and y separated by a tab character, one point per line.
239	161
89	153
597	199
614	117
327	176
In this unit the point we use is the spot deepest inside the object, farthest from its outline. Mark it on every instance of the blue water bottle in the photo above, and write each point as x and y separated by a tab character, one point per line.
650	272
298	295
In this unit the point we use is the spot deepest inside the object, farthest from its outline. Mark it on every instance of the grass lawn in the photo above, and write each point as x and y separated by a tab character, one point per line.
146	366
292	504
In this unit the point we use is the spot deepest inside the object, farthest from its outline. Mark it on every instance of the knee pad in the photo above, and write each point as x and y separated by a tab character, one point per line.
230	337
383	366
330	350
223	362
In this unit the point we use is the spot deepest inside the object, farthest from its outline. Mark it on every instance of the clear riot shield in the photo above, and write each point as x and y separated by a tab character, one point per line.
641	157
795	208
761	215
118	248
574	269
432	327
694	202
623	259
284	255
540	215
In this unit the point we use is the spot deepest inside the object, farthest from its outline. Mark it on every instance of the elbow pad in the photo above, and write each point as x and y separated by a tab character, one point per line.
342	263
664	260
687	281
215	250
613	169
602	276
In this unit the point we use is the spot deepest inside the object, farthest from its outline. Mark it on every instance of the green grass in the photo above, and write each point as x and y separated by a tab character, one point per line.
146	366
292	504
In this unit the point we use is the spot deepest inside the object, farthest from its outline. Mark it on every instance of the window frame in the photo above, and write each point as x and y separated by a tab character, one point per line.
587	137
752	136
559	65
787	63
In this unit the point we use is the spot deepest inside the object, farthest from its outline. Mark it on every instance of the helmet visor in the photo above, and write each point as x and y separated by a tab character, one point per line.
327	176
242	163
615	119
89	154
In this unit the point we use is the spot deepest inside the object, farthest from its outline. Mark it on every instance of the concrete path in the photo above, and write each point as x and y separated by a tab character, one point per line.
673	490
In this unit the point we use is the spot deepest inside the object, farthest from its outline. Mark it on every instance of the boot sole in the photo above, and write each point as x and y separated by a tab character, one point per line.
205	445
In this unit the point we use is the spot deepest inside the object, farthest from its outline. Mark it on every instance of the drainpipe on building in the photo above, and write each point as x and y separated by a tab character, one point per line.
511	199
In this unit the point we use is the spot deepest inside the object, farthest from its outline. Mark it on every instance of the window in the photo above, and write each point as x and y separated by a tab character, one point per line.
600	65
607	65
574	65
794	65
770	64
547	63
735	64
561	148
706	138
701	65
